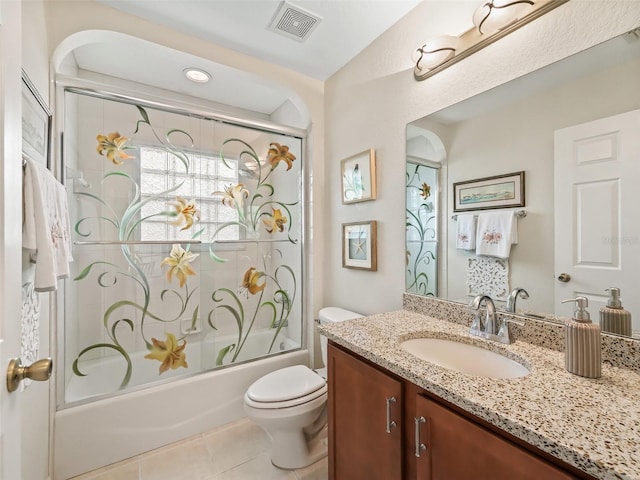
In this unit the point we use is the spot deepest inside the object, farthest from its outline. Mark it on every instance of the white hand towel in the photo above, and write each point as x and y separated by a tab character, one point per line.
466	232
496	232
46	230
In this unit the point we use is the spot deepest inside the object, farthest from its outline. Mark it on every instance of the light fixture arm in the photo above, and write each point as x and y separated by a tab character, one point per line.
423	51
497	7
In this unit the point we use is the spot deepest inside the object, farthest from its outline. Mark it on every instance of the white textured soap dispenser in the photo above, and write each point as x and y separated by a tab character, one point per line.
583	350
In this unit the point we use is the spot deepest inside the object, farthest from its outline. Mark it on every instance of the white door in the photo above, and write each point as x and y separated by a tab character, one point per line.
597	212
10	233
18	424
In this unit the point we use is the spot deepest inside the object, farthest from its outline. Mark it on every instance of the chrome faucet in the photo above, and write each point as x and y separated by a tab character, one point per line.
513	296
488	329
488	326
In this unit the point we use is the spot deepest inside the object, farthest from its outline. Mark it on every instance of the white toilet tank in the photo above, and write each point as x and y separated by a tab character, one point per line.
332	315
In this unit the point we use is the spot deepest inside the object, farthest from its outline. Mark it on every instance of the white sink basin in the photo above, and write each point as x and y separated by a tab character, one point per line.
464	358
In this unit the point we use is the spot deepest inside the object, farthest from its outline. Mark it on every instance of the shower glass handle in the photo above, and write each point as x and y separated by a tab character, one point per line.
390	424
420	447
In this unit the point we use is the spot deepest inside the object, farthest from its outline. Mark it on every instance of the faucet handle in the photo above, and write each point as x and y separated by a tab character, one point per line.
476	324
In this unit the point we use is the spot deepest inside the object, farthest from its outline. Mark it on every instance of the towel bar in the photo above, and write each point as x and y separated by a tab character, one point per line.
136	242
519	213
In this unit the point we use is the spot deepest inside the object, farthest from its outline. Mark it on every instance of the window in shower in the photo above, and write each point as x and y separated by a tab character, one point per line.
186	244
159	171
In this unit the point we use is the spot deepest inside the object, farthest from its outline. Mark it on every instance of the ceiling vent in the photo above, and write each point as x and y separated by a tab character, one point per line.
294	22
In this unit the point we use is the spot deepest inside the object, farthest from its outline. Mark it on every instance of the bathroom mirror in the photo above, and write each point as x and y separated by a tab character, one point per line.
509	129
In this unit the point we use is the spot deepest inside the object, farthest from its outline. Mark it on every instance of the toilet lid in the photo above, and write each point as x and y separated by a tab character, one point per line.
285	384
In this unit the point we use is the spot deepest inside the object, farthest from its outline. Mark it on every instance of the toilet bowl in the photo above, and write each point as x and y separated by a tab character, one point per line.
290	404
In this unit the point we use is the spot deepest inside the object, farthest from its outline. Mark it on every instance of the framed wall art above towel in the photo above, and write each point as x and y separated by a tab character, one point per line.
500	191
36	124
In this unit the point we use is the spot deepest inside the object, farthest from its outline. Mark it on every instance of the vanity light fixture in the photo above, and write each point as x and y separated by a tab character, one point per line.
196	75
493	20
497	14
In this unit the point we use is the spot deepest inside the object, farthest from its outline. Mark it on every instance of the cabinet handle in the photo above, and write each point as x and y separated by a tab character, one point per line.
390	424
420	447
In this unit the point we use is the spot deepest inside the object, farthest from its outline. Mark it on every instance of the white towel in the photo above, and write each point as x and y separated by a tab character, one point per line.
46	230
466	232
496	232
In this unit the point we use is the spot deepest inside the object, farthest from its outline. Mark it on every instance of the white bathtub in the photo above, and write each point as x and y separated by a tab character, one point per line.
103	375
105	431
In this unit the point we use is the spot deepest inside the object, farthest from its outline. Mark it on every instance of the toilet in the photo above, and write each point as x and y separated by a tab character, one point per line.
290	404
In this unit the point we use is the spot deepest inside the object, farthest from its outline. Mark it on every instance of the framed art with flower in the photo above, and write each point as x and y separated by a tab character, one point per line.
500	191
359	249
358	176
36	124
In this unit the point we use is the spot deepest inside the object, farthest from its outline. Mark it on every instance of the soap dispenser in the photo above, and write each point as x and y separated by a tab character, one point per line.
614	318
583	350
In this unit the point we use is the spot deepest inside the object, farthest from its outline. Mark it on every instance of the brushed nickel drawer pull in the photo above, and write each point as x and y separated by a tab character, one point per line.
390	424
420	447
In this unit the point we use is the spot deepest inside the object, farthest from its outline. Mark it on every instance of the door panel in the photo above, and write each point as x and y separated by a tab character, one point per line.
597	170
363	446
10	233
458	449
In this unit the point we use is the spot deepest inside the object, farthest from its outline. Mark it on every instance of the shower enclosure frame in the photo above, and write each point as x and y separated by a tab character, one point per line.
107	92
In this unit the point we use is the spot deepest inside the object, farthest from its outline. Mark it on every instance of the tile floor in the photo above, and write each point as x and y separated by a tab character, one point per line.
237	451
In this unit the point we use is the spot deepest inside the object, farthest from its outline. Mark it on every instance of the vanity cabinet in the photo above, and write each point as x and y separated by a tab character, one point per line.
454	447
365	420
372	438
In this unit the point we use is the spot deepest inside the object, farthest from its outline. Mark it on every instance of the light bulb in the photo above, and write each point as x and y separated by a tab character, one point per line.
196	75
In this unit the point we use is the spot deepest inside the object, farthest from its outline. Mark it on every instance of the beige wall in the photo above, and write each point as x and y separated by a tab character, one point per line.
369	102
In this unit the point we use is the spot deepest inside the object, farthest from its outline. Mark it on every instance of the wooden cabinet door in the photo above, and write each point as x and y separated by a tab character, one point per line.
364	444
459	449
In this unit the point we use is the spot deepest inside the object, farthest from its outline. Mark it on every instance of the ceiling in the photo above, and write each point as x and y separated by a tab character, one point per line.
344	27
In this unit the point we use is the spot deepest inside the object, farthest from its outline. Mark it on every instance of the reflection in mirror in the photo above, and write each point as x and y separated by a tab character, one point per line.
424	176
422	239
520	126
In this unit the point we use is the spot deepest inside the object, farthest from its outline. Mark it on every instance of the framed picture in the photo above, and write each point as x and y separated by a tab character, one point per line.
36	124
359	248
358	174
501	191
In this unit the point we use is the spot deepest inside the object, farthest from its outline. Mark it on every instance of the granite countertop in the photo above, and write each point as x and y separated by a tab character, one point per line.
592	424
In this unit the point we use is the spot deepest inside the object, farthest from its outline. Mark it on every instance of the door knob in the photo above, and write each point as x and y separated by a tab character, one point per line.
38	371
564	277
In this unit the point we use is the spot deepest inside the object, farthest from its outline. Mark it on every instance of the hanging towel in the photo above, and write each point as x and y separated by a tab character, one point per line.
466	232
46	227
496	232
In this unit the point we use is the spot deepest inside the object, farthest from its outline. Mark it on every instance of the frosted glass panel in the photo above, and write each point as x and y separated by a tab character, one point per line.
421	234
183	263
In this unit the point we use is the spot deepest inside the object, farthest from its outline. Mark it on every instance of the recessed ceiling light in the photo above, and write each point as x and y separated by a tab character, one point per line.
197	75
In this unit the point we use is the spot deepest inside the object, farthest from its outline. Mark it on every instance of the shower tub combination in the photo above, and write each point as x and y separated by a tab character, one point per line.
185	286
101	432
